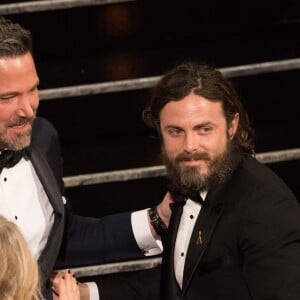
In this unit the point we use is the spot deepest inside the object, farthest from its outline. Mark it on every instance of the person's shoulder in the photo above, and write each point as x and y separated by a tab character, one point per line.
257	172
42	126
41	123
44	133
261	180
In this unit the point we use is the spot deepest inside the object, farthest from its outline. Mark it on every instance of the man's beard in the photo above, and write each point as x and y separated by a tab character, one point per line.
19	141
190	178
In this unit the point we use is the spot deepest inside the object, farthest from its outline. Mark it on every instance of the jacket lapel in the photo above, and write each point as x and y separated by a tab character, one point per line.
203	230
47	179
49	255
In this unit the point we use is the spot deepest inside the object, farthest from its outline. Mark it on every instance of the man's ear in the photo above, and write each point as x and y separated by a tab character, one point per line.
233	126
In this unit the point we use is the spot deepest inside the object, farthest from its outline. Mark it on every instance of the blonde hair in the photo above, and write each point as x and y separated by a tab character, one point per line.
19	279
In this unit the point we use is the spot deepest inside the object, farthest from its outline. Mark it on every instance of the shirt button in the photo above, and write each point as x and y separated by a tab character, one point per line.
191	217
5	179
182	254
16	218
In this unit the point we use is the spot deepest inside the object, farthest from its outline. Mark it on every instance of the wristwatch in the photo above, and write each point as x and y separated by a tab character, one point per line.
159	226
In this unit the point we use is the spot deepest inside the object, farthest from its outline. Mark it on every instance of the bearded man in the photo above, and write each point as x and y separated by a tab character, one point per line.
234	232
32	192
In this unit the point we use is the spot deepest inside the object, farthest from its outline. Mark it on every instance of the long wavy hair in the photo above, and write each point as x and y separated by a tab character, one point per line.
205	81
19	278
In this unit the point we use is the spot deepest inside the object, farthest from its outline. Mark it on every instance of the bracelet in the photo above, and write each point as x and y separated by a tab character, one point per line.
159	226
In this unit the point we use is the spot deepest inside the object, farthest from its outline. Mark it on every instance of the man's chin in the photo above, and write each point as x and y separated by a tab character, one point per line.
200	170
19	144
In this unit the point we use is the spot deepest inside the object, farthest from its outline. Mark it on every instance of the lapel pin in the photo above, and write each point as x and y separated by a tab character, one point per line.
199	239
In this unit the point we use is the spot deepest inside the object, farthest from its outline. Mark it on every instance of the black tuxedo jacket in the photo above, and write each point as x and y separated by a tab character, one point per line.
74	240
249	249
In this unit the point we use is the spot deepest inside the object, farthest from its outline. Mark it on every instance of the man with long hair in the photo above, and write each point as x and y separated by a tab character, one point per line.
234	233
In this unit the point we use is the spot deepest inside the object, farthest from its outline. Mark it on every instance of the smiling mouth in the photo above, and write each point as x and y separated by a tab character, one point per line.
192	161
19	126
20	123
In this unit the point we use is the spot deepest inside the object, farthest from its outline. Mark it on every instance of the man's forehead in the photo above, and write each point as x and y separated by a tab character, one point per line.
191	106
17	66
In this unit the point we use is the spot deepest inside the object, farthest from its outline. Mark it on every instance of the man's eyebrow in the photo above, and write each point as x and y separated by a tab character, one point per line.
200	125
16	92
36	84
170	126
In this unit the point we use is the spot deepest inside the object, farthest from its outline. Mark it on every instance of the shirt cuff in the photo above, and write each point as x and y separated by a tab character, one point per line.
142	233
94	293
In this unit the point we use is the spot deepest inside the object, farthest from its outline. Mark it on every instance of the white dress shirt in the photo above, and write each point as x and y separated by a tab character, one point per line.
24	202
188	219
187	223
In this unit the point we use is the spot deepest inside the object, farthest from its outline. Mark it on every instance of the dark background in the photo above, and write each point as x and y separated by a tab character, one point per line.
145	38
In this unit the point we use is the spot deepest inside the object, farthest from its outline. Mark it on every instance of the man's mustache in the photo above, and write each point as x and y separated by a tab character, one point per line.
20	121
192	156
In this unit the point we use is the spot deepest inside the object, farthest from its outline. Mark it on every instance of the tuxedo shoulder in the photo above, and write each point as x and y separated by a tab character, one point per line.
44	134
260	185
44	125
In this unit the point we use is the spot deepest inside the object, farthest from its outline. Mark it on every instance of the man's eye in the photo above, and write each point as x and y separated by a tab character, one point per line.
6	97
206	129
174	131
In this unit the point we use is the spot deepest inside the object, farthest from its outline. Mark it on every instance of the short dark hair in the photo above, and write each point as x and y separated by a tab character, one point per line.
205	81
14	39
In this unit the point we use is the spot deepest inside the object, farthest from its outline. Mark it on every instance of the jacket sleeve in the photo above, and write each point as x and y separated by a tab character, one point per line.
86	240
90	241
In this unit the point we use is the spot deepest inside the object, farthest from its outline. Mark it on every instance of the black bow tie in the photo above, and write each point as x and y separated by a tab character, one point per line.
9	158
180	195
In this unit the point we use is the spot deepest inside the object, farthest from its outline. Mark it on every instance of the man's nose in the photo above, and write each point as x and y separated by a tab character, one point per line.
25	106
190	143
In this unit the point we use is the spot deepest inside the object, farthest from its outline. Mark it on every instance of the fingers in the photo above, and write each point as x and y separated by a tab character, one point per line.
64	286
164	209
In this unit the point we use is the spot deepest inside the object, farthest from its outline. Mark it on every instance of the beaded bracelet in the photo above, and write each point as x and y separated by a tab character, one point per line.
159	226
